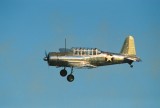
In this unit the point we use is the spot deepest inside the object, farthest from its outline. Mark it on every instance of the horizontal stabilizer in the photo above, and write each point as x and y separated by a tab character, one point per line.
133	59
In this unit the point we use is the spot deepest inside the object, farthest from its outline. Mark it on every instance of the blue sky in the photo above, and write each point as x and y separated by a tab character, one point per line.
29	27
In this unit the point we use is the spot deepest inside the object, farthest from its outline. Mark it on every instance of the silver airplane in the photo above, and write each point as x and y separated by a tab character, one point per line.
79	57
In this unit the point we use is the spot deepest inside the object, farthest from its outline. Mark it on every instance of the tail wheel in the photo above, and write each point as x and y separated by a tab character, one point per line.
63	72
70	78
131	66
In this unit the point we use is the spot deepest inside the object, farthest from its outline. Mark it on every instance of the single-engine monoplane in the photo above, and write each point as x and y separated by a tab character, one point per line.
81	57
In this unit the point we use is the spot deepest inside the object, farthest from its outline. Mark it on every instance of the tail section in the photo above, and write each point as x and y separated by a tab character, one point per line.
129	47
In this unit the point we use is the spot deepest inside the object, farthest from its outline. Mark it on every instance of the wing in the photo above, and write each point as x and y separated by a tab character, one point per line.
80	64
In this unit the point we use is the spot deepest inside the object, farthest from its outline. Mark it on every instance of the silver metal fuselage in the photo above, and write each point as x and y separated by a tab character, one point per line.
69	59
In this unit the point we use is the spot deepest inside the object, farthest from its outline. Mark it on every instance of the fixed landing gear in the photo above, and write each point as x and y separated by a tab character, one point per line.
70	77
63	72
130	63
131	66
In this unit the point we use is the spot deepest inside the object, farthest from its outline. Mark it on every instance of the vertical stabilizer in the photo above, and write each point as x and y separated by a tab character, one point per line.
128	47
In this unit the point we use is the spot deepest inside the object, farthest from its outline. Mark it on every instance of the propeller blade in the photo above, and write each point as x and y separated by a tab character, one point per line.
46	53
46	56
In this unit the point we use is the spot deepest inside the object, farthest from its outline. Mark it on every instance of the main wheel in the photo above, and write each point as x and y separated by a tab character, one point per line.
70	78
63	72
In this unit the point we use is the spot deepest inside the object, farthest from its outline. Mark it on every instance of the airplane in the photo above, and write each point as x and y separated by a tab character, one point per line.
81	57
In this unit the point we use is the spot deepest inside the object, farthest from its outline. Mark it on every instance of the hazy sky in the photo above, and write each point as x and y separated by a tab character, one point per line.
29	27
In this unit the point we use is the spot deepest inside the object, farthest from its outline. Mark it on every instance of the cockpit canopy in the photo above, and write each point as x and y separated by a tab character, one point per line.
81	51
85	51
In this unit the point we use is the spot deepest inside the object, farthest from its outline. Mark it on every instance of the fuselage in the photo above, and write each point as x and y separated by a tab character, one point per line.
85	58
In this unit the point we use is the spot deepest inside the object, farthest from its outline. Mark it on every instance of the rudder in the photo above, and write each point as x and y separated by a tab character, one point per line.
129	47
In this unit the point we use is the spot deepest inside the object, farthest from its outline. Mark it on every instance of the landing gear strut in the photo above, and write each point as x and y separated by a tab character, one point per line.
130	63
70	77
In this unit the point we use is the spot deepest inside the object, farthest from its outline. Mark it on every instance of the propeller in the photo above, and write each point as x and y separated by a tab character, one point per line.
46	58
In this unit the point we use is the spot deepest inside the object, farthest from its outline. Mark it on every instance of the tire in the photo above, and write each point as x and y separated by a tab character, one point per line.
70	78
63	72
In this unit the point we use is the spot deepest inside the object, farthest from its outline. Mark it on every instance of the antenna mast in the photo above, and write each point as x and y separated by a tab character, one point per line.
65	45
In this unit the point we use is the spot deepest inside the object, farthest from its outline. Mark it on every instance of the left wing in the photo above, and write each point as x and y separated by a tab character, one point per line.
80	64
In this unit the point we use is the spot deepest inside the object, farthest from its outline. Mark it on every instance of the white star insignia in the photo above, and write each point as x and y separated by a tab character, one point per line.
109	58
